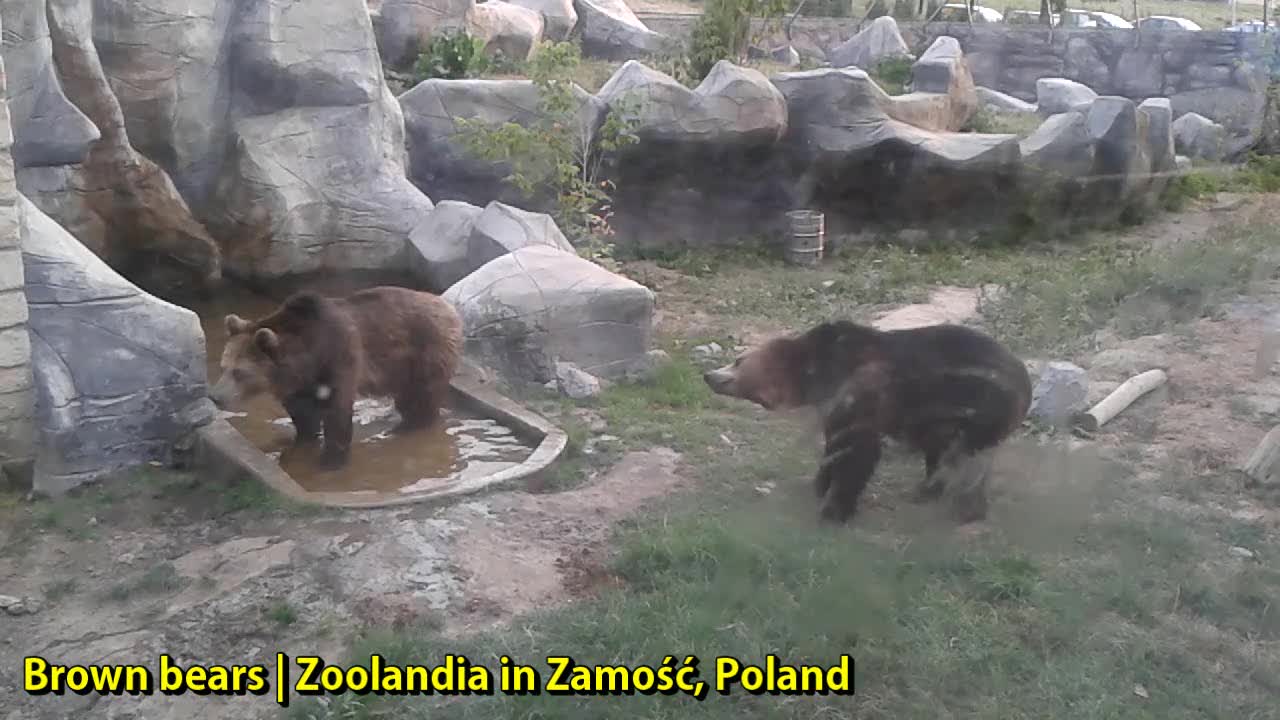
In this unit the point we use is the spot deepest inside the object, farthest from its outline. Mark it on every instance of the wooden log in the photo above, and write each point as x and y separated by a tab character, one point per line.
1119	399
1263	465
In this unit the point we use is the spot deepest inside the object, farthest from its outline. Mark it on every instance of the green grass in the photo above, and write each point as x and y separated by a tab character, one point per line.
989	631
1054	295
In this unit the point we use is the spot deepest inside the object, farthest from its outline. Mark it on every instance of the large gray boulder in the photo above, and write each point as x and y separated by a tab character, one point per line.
314	173
114	367
441	165
1058	95
165	62
864	154
880	40
558	16
529	309
942	71
1157	114
611	31
48	128
458	238
506	29
732	106
1061	145
1199	137
403	27
997	100
312	189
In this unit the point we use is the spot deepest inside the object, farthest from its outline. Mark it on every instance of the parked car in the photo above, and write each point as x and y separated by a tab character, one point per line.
1110	20
1028	17
959	12
1252	26
1166	22
1078	19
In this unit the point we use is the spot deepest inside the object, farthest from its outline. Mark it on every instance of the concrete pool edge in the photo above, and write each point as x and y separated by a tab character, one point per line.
221	449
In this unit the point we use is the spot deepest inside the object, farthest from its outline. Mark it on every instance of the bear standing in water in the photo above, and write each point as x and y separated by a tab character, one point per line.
316	355
948	391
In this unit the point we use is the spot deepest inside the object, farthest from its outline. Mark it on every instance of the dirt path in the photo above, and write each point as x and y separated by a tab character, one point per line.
135	572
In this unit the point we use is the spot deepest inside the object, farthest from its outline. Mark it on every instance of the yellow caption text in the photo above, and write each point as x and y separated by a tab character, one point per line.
457	675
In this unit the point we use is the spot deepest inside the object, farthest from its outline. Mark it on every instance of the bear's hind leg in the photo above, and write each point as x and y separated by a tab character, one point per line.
972	475
419	407
941	446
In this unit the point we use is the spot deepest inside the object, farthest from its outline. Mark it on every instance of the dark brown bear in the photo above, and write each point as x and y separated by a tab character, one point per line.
316	355
947	391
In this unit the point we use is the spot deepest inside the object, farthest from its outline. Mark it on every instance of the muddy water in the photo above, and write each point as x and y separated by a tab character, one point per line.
460	446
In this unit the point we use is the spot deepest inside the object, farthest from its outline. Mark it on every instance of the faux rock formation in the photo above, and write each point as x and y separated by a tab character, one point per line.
732	106
48	128
335	194
313	173
997	100
842	125
1057	95
114	367
558	17
942	71
506	29
529	309
117	201
1061	145
458	238
403	27
611	31
445	169
880	40
1220	75
1199	137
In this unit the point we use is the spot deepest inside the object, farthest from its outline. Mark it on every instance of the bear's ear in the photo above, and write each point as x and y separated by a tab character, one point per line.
236	324
267	341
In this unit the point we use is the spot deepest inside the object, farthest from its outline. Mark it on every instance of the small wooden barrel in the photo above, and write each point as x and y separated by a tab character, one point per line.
805	244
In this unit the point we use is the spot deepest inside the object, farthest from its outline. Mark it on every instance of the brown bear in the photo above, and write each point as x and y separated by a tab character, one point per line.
948	391
317	354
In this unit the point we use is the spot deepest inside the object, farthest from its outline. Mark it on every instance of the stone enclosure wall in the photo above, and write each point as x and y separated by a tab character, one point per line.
1220	75
17	396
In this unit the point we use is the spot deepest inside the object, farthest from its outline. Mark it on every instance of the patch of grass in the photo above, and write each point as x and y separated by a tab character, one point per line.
160	579
281	613
892	75
991	122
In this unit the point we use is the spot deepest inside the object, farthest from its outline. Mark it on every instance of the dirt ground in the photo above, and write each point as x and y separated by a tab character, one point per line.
152	563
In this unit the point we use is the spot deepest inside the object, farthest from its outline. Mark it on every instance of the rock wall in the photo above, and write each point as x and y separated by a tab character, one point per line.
17	397
1220	75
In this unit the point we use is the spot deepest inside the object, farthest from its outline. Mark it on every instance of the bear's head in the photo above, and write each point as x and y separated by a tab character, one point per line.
800	370
772	375
249	363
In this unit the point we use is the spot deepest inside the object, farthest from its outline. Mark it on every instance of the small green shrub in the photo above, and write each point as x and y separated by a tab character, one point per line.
723	32
893	75
451	55
554	154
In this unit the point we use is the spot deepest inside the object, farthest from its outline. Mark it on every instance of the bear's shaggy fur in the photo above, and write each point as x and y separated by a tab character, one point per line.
948	391
317	354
